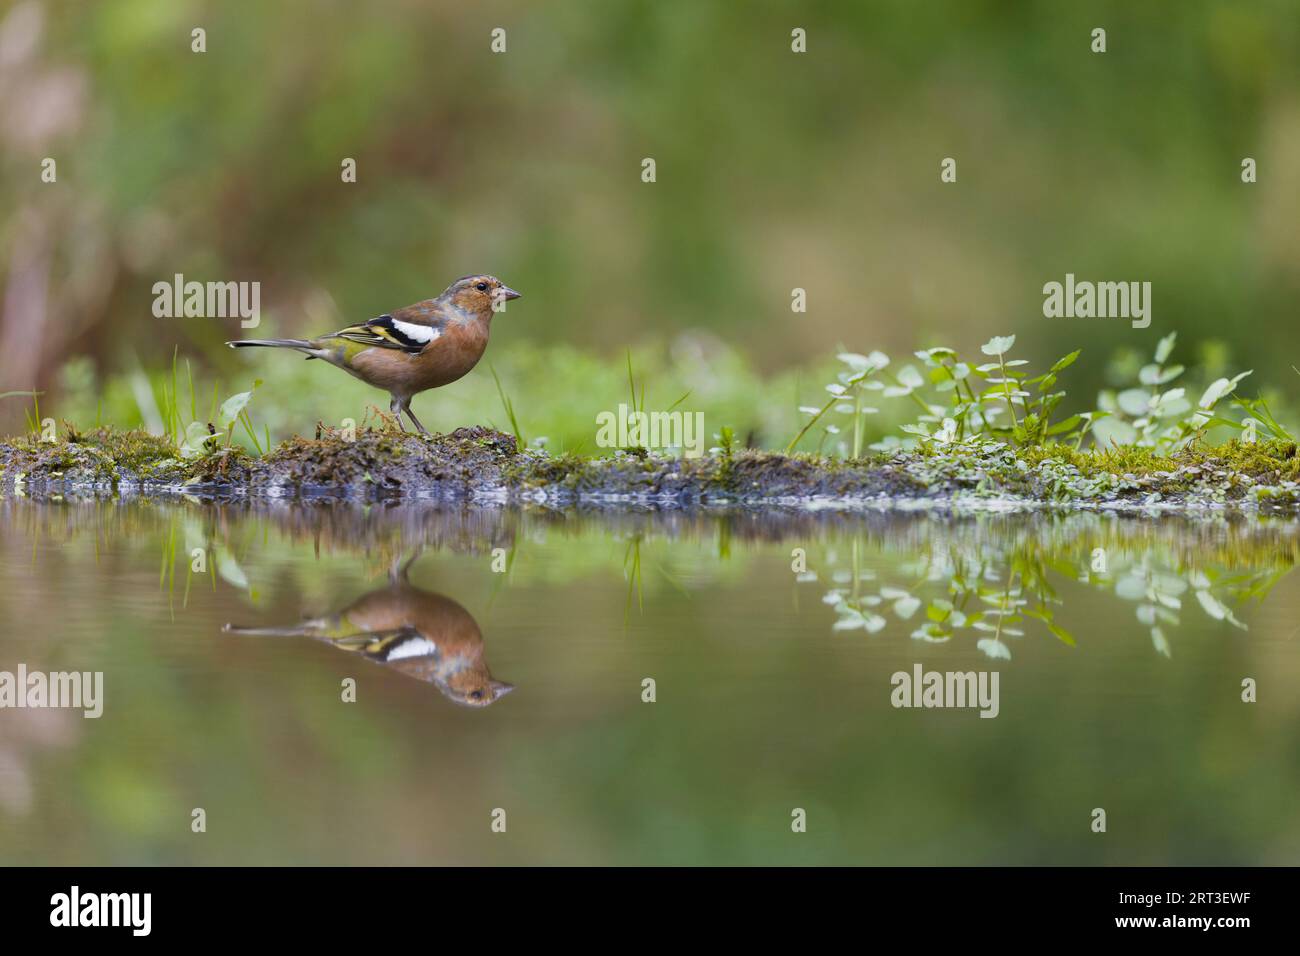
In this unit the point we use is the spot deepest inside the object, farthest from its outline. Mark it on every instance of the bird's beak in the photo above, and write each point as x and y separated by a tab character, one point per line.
499	687
508	293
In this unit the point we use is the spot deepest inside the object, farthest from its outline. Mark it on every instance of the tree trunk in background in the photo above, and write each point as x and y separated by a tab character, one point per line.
24	314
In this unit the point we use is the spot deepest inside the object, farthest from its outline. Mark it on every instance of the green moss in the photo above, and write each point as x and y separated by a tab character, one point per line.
98	457
386	461
135	451
565	470
1267	458
225	465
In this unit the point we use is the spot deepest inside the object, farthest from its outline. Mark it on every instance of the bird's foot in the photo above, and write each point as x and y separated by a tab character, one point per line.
415	421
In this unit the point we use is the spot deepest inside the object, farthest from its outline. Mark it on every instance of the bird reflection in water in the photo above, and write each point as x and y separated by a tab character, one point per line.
422	634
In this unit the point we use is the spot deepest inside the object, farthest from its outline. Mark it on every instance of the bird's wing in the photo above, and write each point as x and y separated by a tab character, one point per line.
409	329
389	646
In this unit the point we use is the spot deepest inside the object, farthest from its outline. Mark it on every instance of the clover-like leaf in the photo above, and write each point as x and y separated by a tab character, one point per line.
231	408
1218	389
1159	375
994	648
998	345
1212	605
1134	401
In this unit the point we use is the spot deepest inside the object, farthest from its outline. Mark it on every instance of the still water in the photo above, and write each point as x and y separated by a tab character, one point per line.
337	683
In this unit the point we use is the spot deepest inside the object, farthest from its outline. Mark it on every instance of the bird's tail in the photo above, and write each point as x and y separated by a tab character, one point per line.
322	627
307	629
271	343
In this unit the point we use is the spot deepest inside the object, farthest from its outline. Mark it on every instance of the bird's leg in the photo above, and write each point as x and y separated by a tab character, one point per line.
395	407
399	569
406	406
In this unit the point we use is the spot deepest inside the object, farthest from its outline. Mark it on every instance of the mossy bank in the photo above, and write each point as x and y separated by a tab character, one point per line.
485	465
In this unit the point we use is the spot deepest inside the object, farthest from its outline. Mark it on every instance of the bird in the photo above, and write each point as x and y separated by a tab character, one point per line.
419	633
413	349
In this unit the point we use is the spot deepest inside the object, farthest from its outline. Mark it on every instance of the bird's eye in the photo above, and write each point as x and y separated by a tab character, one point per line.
482	286
476	695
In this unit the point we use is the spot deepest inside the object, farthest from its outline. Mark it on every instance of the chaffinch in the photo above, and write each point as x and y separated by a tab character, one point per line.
419	633
411	350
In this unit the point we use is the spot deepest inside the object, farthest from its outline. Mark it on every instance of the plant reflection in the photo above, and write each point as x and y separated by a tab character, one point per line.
992	585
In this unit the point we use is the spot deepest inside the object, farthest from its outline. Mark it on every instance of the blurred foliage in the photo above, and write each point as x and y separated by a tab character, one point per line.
775	171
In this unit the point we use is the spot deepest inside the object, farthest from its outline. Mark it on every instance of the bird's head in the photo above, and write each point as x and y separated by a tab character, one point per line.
475	690
479	295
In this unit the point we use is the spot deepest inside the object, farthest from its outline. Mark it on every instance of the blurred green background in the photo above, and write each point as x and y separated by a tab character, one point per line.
775	170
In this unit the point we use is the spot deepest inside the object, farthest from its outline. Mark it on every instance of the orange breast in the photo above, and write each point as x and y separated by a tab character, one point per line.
448	357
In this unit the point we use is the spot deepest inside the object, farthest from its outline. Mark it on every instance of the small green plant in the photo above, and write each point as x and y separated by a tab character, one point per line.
637	406
194	436
981	402
509	407
33	416
999	401
202	437
1259	415
846	398
1150	415
727	442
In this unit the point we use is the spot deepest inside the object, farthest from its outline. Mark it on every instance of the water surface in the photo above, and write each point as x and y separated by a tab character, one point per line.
1120	644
